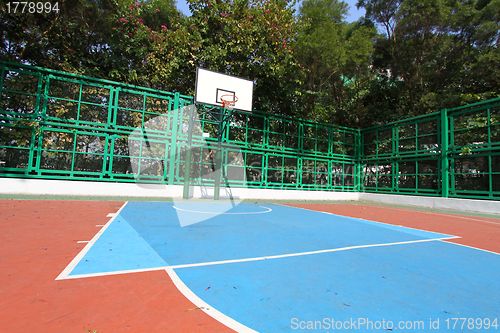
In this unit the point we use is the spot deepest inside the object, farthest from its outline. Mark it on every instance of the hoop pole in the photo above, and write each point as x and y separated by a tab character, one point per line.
187	168
218	156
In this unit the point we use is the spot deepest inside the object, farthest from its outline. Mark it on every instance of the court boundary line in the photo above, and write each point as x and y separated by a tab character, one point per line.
216	213
204	306
419	209
470	247
90	275
403	209
278	256
65	273
451	215
362	219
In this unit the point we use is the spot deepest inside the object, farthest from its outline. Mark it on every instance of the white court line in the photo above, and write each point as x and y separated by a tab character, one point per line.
306	253
444	239
83	241
472	247
457	216
438	213
217	315
359	218
64	274
202	305
140	270
232	261
217	213
111	214
408	210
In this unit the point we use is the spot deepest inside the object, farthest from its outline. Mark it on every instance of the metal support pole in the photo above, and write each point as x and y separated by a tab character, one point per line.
218	156
173	143
358	169
444	155
187	168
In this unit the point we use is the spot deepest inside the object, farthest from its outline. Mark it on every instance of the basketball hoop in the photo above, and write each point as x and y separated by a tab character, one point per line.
228	101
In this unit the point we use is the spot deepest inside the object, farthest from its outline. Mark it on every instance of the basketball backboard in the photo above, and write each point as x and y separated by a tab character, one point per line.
210	86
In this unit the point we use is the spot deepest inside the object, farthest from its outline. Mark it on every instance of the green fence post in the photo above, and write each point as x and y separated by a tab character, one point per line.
358	178
173	144
444	155
41	96
187	166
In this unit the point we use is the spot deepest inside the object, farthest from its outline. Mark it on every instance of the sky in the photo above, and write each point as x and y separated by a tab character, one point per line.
354	14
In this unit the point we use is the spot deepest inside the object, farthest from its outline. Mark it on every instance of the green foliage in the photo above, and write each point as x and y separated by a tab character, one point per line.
251	39
445	52
425	56
335	59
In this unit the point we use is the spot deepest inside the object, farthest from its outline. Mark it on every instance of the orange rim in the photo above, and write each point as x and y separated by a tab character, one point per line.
228	100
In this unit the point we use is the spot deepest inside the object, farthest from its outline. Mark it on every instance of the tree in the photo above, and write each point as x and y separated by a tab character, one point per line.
59	39
251	39
335	58
435	48
100	38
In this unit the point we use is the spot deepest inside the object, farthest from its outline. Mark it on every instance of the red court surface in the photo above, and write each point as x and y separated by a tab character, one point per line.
40	238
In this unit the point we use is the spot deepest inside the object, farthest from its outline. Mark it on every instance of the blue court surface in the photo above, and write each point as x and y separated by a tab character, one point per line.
273	268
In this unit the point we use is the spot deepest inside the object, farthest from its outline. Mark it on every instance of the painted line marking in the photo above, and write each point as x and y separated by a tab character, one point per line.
413	211
471	247
83	241
443	214
82	276
65	273
443	240
218	213
100	225
359	218
465	218
202	305
111	214
306	253
232	261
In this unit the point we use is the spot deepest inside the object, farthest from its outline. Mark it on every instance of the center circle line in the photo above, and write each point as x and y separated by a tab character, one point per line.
217	213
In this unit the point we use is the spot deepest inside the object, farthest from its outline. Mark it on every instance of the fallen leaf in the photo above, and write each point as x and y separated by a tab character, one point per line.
197	308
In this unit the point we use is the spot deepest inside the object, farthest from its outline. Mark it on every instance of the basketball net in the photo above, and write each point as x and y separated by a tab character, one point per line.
228	101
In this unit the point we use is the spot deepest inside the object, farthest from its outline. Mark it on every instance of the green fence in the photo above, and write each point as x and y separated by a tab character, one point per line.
403	157
474	151
55	125
451	153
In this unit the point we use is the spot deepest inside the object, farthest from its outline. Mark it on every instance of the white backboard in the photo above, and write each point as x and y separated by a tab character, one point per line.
210	86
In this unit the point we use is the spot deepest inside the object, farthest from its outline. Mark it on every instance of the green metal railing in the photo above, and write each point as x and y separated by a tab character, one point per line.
474	150
451	153
403	157
56	125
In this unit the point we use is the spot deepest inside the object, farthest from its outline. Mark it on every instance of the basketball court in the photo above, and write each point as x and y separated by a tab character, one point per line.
265	267
214	260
